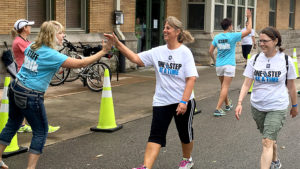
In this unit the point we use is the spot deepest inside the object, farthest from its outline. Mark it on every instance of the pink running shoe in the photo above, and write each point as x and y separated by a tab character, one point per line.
141	167
186	164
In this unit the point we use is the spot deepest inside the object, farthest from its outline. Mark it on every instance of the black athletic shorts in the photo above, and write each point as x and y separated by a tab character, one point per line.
162	117
246	50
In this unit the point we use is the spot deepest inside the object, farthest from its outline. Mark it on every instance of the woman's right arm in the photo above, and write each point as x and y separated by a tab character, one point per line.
249	26
211	53
245	88
78	63
133	57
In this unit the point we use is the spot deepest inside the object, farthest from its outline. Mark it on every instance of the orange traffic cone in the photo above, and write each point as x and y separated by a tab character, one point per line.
12	148
107	122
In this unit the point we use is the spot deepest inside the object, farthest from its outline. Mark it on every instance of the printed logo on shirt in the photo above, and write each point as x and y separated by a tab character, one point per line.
223	44
169	67
30	60
267	76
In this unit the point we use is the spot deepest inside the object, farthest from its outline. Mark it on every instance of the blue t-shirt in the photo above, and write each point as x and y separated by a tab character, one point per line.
226	42
39	67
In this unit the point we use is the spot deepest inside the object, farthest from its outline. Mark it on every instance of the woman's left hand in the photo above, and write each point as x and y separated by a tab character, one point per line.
181	108
294	112
106	46
112	38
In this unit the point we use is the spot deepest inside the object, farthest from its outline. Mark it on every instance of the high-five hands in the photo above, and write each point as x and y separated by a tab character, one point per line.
112	38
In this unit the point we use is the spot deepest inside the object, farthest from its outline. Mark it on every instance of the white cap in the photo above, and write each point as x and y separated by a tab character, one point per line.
21	23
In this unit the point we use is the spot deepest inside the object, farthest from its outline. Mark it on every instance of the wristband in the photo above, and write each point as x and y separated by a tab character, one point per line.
295	105
184	102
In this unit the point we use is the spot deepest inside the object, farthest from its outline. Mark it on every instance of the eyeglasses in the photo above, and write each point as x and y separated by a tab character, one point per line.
264	41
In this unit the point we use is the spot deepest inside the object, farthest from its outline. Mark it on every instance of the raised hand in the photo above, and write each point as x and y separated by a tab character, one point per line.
112	38
248	13
106	45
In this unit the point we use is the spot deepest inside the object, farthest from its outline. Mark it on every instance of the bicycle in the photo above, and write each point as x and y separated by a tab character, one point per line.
92	75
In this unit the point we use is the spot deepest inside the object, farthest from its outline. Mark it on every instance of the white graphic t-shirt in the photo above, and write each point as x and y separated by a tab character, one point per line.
171	69
269	74
247	40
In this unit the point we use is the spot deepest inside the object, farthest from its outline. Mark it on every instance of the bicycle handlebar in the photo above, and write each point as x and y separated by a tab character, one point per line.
87	49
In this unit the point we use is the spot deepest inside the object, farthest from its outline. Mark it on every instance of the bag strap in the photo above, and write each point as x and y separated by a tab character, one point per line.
5	44
256	56
287	67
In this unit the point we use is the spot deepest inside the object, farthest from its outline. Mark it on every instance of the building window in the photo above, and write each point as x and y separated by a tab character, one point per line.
196	14
241	15
231	10
39	11
292	14
272	13
219	10
76	14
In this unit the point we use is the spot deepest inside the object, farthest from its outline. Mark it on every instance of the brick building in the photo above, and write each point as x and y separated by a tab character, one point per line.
87	20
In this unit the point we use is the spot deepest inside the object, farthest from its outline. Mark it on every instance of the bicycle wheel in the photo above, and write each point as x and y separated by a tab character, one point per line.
74	73
60	76
95	76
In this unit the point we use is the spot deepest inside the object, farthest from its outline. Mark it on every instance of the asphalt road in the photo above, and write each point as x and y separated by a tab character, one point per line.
222	143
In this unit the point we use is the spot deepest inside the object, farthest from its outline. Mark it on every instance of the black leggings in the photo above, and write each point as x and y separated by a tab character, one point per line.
246	50
162	117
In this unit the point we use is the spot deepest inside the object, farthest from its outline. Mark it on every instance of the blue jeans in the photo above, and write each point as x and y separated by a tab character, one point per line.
24	102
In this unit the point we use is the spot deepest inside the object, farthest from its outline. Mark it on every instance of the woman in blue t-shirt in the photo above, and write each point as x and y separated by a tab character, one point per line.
225	63
26	92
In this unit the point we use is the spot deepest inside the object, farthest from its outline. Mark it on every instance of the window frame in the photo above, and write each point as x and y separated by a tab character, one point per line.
252	11
218	4
189	2
49	13
273	11
234	8
84	13
292	13
243	6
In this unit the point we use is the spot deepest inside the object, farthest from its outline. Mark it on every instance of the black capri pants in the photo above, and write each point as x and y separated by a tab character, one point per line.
162	117
246	49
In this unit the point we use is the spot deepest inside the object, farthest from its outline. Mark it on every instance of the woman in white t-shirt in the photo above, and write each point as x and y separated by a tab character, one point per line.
176	74
247	42
273	74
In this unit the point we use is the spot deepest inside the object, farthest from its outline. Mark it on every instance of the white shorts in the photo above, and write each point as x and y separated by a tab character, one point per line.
227	70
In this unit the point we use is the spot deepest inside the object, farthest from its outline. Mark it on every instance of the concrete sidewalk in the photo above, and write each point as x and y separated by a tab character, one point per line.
75	108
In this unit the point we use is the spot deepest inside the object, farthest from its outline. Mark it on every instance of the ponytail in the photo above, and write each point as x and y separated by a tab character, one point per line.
185	37
15	33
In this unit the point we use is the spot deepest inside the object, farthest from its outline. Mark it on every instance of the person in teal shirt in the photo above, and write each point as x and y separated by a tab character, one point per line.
26	92
225	61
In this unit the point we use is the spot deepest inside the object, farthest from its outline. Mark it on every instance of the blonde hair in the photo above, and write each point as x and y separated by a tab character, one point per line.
184	36
47	35
15	33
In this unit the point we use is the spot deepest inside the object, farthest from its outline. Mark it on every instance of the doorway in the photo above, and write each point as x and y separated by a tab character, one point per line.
151	14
